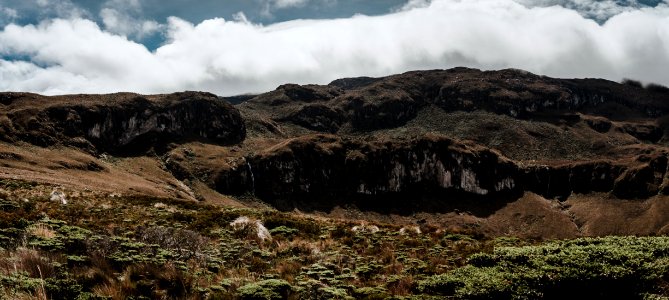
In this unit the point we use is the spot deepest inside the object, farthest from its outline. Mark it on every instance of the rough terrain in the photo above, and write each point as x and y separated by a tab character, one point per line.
507	152
457	184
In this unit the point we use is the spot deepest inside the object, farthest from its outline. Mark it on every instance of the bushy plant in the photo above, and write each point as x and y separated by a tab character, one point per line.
597	268
370	293
284	231
269	289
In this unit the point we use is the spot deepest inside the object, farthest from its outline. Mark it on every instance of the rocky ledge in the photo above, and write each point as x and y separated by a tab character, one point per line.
431	166
119	123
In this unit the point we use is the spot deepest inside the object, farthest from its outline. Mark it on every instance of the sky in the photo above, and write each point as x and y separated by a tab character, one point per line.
231	47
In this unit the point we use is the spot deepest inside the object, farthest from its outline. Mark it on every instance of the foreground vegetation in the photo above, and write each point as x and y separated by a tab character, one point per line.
110	247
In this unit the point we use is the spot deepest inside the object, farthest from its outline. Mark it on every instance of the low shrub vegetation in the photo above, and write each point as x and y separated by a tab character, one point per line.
595	268
98	247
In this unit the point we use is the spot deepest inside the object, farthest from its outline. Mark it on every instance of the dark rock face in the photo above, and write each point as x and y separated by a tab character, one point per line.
428	166
644	180
131	124
369	157
563	180
328	165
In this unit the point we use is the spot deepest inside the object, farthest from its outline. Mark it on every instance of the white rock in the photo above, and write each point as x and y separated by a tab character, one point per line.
365	228
410	230
260	230
58	195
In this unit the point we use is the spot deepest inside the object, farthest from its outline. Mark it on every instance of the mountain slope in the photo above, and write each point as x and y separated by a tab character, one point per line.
500	149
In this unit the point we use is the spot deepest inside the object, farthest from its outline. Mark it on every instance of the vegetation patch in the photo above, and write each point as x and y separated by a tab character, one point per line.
598	268
131	248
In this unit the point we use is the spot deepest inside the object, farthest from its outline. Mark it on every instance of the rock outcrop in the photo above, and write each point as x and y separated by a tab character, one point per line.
429	166
119	123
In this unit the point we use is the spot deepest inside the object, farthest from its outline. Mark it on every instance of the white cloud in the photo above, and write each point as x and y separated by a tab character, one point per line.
288	3
75	55
60	8
231	57
124	17
9	12
268	6
7	15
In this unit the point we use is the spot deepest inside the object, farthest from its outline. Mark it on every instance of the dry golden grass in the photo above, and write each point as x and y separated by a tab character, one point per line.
43	231
112	290
601	214
67	167
288	269
402	286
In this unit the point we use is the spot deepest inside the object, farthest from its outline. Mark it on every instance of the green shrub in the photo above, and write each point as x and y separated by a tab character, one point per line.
371	293
265	290
20	282
306	227
315	290
596	268
62	289
284	231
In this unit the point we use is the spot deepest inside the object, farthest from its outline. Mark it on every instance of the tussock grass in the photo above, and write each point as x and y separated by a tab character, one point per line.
136	247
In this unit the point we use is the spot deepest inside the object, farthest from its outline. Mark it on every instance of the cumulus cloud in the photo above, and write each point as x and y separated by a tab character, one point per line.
58	8
7	15
268	6
288	3
124	17
8	12
231	57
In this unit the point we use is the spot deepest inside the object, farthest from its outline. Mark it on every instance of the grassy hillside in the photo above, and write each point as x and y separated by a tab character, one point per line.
102	246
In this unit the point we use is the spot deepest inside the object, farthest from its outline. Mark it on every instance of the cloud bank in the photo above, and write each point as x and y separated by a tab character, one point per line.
228	57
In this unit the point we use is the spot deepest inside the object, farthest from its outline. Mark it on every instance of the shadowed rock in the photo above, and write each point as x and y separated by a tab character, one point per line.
122	123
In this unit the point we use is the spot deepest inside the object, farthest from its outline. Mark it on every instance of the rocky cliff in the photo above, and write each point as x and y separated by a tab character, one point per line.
327	165
403	135
431	166
443	135
119	123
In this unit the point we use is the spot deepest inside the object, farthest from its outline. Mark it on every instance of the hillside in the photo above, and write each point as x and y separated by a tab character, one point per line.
455	147
466	160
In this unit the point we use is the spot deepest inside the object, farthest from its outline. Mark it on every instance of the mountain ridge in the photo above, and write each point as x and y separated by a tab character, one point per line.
423	142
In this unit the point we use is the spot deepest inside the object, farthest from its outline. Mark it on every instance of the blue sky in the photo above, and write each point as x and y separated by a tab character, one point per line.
249	46
256	11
